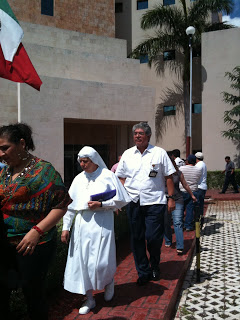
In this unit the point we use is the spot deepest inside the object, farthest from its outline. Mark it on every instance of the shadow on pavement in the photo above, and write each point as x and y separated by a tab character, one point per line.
66	303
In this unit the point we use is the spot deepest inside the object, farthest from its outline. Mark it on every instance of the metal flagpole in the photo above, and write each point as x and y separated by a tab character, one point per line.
190	32
19	102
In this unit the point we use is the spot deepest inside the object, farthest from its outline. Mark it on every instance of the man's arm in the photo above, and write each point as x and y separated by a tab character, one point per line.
170	188
232	167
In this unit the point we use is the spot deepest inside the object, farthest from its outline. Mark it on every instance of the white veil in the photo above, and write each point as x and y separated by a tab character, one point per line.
92	154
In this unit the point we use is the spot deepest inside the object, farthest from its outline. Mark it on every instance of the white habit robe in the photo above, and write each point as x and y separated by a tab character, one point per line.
91	262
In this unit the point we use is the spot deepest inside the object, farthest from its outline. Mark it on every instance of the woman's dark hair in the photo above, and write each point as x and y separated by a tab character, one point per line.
169	153
15	132
176	153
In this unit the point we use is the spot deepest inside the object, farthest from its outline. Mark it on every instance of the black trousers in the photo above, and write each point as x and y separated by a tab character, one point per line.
146	223
29	273
230	178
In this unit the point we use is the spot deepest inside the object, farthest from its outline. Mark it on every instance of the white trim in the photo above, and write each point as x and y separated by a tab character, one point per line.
19	102
11	35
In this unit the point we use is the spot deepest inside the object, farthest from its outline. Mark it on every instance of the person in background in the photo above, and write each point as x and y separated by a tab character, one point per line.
114	167
91	262
229	176
202	185
178	213
143	170
175	155
33	199
192	175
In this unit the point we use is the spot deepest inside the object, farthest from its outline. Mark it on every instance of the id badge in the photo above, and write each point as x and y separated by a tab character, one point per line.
153	173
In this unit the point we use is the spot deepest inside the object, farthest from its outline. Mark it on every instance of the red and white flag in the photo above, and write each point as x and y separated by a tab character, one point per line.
15	64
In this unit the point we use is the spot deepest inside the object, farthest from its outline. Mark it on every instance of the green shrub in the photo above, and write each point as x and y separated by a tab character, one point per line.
215	179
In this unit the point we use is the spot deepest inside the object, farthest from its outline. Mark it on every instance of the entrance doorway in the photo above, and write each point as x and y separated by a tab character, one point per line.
109	138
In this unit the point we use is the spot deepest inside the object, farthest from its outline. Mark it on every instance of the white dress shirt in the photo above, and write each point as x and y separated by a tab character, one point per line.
203	180
135	167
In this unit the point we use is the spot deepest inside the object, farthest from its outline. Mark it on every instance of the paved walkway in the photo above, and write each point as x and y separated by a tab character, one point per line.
217	296
156	300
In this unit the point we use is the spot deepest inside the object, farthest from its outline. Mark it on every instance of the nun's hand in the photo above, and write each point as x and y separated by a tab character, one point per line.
65	236
92	205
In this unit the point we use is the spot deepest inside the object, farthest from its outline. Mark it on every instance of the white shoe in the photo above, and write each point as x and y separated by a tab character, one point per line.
109	291
87	306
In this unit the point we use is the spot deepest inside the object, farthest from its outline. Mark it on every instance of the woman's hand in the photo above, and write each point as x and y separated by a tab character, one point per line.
94	205
28	243
194	198
171	205
65	236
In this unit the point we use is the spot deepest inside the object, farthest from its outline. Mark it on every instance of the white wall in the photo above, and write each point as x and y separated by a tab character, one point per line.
220	53
85	77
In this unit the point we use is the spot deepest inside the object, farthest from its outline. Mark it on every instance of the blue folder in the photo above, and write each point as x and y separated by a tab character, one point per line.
103	196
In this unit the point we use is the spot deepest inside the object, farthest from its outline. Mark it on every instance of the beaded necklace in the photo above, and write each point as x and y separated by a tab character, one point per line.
26	169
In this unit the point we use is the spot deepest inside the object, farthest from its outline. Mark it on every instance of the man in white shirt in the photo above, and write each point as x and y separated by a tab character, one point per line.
202	185
192	176
143	170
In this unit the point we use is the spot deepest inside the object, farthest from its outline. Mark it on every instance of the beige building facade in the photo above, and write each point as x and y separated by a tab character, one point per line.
86	16
220	54
91	95
220	51
170	129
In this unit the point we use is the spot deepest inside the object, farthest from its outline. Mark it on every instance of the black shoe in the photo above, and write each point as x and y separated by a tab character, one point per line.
236	191
155	275
141	281
221	192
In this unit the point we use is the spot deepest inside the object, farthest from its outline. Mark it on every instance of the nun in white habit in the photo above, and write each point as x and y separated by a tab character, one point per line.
91	262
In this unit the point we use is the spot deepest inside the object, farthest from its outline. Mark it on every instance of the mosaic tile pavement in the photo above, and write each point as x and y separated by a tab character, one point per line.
217	296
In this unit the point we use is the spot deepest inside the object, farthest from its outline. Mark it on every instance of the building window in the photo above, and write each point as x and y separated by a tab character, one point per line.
118	7
196	108
169	55
168	2
142	4
47	7
144	58
169	110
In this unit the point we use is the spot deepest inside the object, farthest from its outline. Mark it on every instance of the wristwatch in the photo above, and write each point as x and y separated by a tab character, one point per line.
170	197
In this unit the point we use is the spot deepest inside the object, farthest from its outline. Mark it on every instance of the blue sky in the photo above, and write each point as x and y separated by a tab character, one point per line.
234	18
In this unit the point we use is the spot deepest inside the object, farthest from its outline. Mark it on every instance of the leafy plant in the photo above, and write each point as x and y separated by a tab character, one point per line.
169	24
232	116
215	179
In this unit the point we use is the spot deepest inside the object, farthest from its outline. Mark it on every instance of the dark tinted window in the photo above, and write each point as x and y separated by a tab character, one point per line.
168	2
47	7
118	7
142	4
144	58
169	110
169	55
197	108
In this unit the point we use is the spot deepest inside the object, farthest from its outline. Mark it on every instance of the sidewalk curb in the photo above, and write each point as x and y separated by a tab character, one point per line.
171	306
